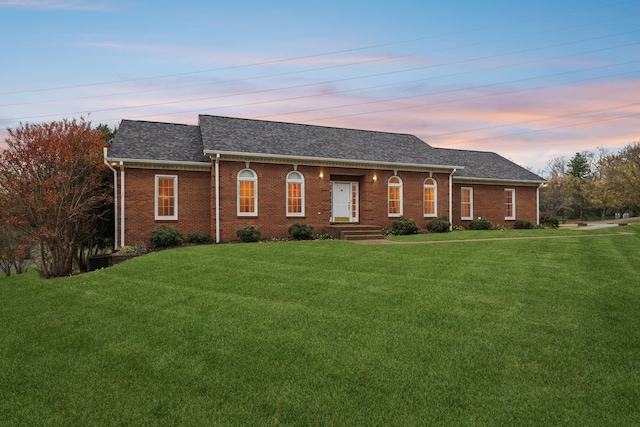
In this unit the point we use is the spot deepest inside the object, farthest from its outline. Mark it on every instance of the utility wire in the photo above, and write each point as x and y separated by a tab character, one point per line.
291	59
394	58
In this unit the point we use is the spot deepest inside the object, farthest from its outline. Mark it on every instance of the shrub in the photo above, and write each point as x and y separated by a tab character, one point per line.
523	225
403	226
165	237
301	231
137	249
322	236
549	221
198	239
249	234
480	224
439	225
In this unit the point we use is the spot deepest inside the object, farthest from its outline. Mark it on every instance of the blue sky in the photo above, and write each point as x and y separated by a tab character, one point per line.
529	80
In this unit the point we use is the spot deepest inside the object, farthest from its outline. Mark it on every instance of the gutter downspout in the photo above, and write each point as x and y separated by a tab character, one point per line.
217	177
538	204
451	199
122	203
115	199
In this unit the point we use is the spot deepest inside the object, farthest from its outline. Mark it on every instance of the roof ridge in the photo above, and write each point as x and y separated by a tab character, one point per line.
469	151
310	125
158	123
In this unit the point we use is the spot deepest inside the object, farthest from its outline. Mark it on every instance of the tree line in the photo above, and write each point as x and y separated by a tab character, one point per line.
597	183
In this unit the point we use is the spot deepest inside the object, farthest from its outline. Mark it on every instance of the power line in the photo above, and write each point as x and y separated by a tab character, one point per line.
378	74
396	58
554	117
283	60
546	129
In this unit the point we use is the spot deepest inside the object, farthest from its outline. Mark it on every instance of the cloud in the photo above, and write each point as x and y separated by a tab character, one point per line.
53	4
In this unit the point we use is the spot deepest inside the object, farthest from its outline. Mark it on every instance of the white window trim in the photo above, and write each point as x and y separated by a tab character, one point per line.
301	182
157	216
434	185
255	189
513	204
400	185
470	217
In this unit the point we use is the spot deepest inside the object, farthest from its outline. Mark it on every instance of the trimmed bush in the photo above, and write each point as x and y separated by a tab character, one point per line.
480	224
301	231
166	237
523	225
198	239
439	225
249	234
403	226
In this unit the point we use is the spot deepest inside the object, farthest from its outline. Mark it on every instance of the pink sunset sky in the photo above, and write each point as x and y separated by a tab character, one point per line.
529	80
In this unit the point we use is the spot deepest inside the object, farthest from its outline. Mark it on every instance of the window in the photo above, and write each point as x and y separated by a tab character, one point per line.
509	203
395	196
466	205
247	193
166	205
430	192
295	194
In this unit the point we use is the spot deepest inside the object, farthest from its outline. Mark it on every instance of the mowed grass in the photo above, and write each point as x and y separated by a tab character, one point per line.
518	332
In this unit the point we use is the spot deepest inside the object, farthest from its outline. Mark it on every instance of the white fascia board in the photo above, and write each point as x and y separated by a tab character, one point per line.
158	162
327	160
468	180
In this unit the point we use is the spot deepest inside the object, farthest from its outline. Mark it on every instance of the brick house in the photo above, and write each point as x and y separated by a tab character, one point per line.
227	173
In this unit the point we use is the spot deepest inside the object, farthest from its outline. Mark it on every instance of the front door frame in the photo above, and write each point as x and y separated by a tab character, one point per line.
353	212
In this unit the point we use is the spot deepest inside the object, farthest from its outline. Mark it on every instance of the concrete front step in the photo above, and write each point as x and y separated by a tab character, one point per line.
348	236
355	232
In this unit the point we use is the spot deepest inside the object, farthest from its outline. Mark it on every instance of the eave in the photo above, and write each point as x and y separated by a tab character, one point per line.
497	181
328	162
158	164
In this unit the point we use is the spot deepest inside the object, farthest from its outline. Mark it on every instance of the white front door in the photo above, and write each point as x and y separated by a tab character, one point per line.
344	201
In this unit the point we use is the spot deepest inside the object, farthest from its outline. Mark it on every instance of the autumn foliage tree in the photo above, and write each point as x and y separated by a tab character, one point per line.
597	182
51	188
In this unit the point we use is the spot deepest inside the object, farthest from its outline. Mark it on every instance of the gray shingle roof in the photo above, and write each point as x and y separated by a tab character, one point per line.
154	141
158	141
226	134
486	165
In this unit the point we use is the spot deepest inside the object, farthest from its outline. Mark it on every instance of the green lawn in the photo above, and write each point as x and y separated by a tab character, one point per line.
508	332
508	233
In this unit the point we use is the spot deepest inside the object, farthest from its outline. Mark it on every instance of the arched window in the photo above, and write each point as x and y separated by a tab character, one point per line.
395	196
295	194
430	197
247	193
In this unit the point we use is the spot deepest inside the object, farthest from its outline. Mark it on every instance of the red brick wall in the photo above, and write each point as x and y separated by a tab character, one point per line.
196	200
193	204
488	203
272	220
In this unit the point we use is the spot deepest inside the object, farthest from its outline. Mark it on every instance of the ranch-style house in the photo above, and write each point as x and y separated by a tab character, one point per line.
227	173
